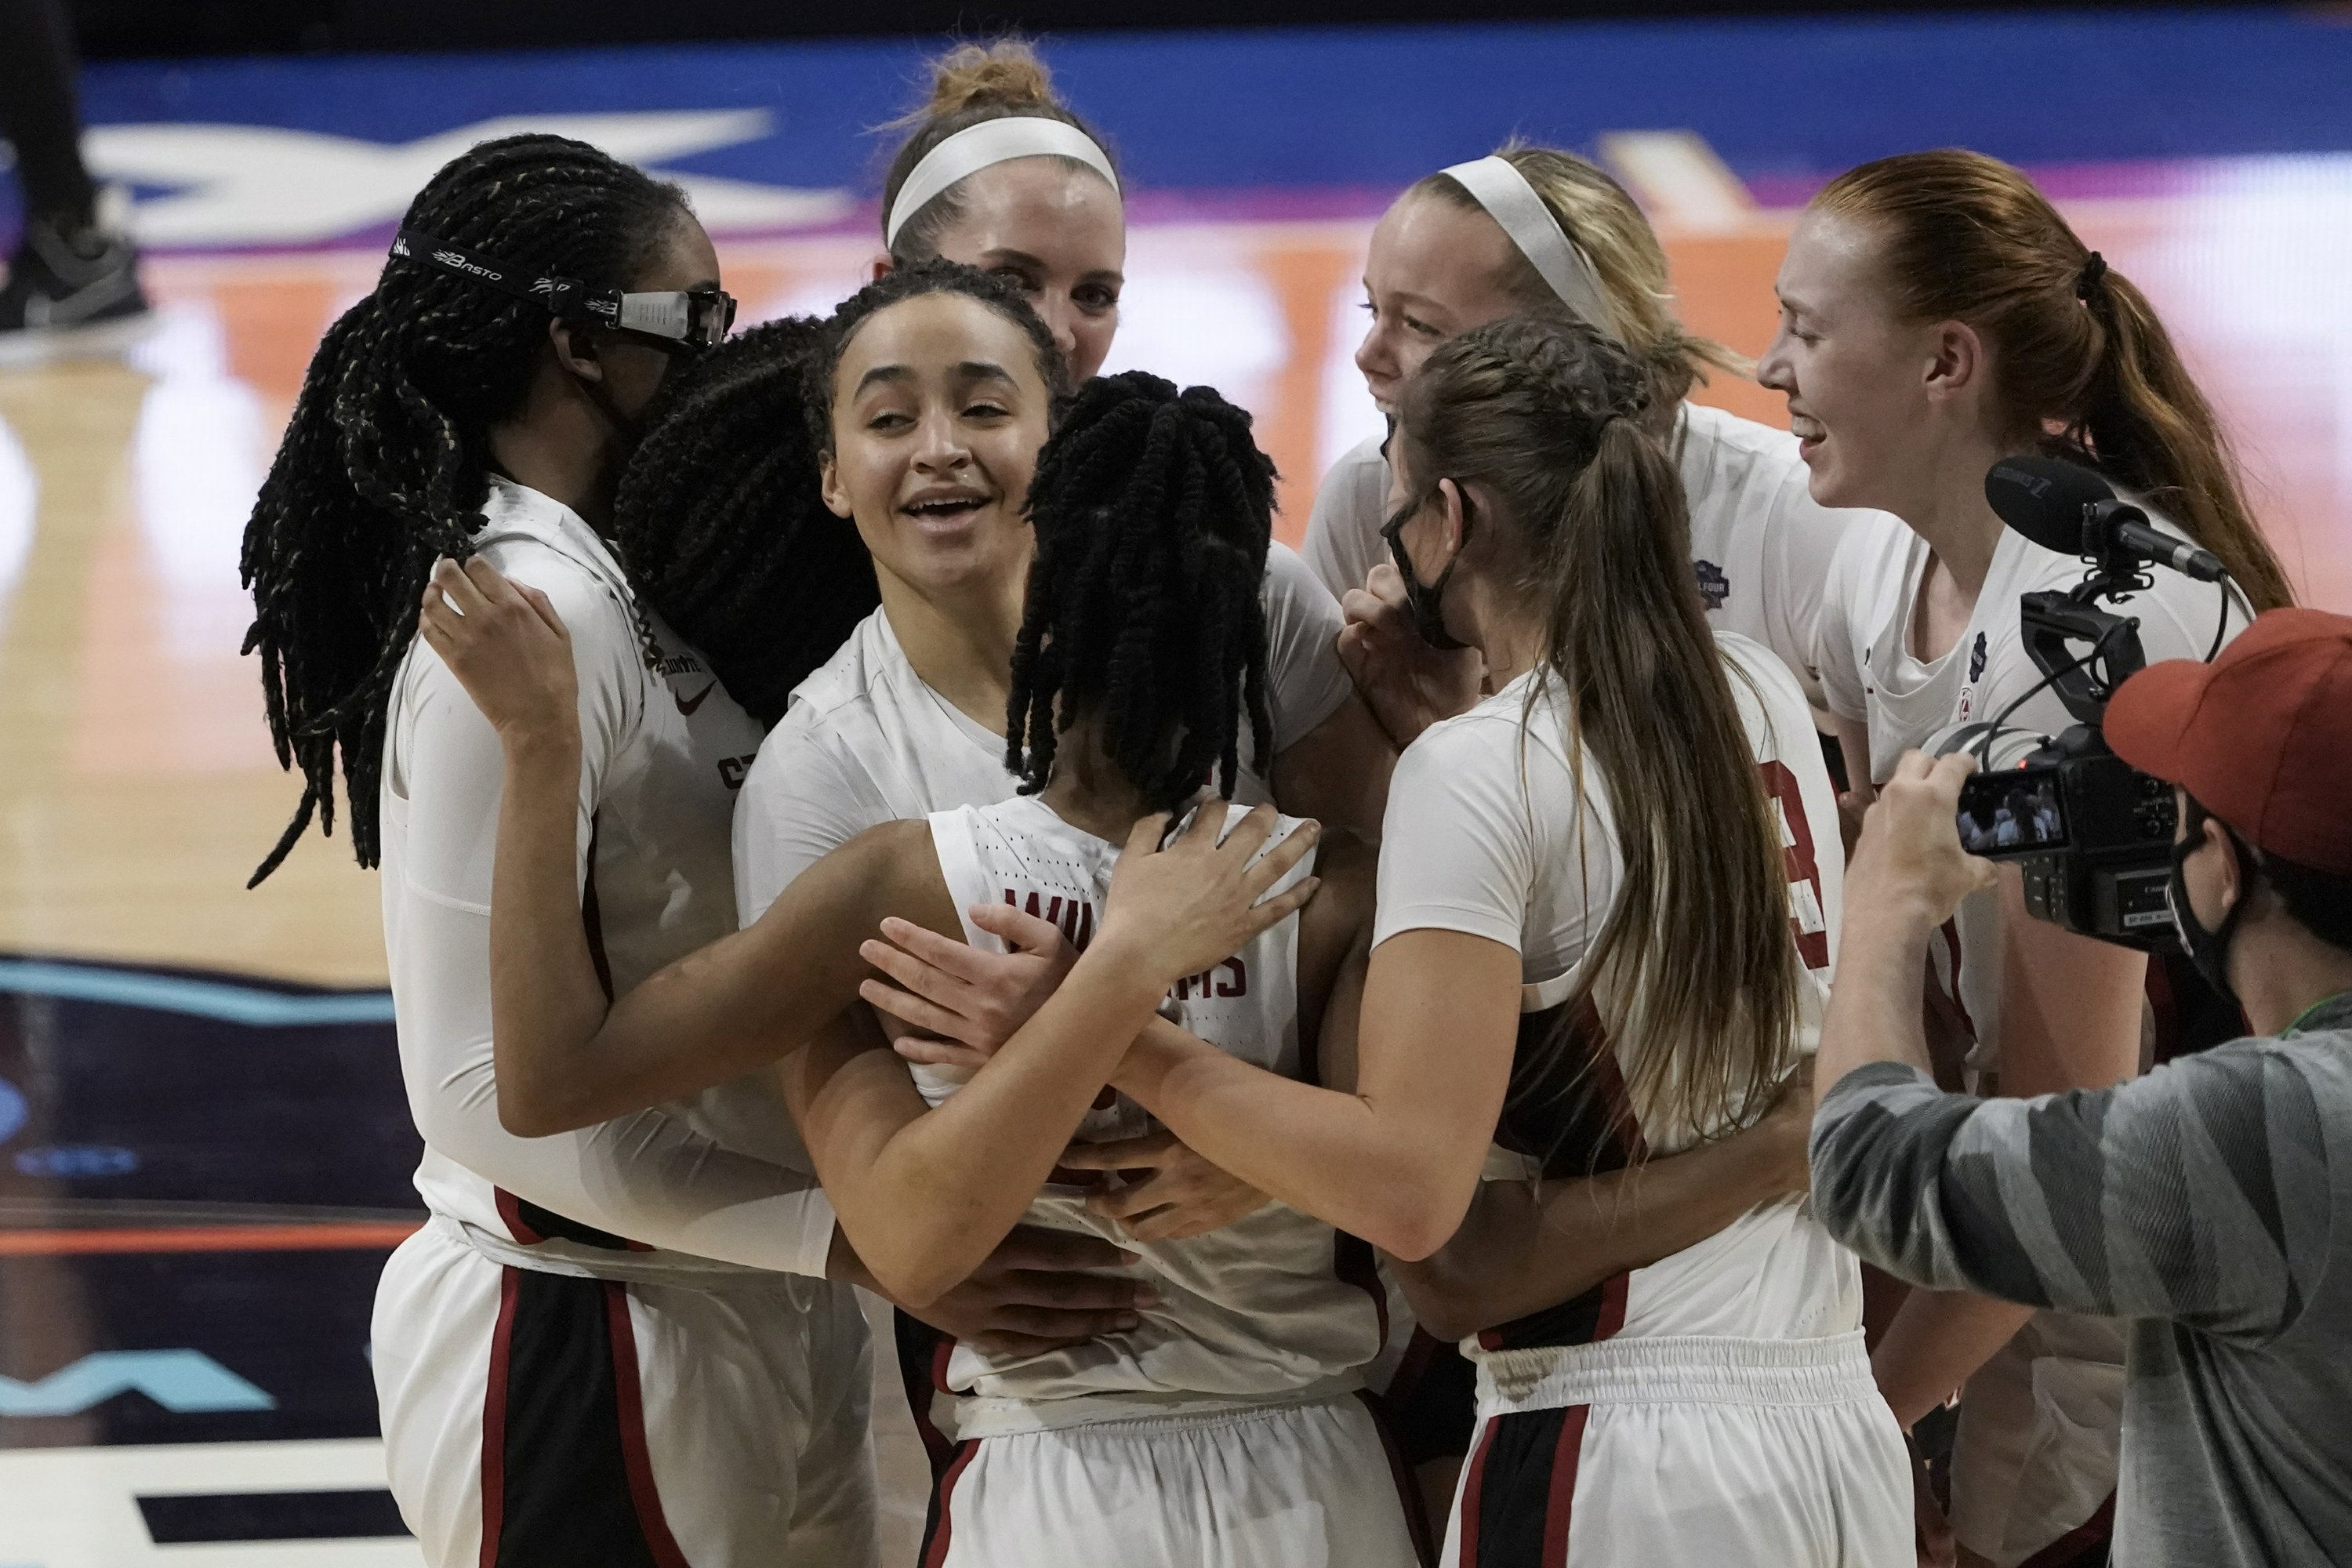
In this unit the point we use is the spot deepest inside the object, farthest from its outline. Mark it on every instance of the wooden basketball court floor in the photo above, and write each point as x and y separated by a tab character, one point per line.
137	790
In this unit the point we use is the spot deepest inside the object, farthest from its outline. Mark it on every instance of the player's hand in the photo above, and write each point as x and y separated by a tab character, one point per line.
1181	910
967	1002
1178	1195
1408	685
1909	863
507	647
1036	1292
1932	1537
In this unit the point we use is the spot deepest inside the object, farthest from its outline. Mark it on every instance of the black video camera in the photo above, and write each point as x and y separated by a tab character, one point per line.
2091	834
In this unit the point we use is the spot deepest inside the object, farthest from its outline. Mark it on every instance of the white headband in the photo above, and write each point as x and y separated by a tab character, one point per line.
975	147
1496	184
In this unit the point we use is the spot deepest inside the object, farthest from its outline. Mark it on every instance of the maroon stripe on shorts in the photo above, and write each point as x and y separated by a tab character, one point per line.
635	1454
494	1422
1561	1497
934	1550
1614	1292
1473	1486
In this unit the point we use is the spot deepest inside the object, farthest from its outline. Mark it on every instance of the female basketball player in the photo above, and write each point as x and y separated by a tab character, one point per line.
551	1391
1533	229
1223	1429
1584	950
1938	315
999	174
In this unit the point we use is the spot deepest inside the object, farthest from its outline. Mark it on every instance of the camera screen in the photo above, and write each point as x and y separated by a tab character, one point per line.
2011	811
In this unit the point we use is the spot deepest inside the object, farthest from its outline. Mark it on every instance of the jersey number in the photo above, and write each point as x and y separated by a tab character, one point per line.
1805	915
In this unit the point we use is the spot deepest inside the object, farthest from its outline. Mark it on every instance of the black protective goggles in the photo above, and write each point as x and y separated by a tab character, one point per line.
685	318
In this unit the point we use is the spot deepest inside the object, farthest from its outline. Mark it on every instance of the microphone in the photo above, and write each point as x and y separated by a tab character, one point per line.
2067	508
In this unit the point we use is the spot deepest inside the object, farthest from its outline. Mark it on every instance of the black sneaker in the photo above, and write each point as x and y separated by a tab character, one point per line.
69	293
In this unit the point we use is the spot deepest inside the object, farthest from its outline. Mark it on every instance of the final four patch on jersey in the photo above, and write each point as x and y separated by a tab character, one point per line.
1976	660
1713	586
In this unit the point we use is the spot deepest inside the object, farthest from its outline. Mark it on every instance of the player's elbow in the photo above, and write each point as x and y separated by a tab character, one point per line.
1412	1226
1443	1312
528	1111
915	1277
1409	1238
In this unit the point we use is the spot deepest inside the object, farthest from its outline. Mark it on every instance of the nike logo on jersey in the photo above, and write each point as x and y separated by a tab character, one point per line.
687	705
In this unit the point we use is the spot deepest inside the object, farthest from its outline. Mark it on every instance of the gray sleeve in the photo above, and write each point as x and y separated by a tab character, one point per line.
2193	1194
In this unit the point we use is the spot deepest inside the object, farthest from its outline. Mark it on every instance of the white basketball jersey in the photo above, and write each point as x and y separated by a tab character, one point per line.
720	1180
1494	833
1871	676
1256	1311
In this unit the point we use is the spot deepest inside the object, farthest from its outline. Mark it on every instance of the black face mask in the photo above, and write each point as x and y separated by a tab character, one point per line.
2209	950
1426	601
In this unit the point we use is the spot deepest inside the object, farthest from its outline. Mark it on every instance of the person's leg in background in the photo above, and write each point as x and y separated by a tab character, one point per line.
72	271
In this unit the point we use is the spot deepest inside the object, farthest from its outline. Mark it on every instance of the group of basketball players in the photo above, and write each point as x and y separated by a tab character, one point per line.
867	802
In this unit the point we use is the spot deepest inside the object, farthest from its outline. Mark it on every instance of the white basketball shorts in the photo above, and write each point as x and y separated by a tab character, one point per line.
557	1418
1686	1452
1292	1486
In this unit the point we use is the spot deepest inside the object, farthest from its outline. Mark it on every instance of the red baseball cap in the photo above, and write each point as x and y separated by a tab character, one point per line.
2261	736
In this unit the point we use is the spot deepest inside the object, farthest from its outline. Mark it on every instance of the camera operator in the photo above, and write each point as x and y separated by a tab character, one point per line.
2209	1203
1938	316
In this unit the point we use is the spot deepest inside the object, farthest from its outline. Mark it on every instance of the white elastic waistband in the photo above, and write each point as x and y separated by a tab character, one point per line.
1676	1368
1113	1414
558	1257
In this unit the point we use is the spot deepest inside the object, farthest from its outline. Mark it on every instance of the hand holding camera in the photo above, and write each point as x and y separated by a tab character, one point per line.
1908	864
2092	835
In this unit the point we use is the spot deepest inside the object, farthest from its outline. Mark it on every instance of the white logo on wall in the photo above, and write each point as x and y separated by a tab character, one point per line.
257	184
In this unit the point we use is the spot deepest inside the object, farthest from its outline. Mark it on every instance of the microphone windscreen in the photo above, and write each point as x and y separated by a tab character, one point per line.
2044	499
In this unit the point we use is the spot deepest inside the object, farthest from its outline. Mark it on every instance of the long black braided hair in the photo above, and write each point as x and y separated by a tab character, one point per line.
720	524
382	467
718	516
1152	510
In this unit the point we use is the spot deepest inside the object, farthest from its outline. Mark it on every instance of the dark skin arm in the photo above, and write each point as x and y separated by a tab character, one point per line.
1527	1245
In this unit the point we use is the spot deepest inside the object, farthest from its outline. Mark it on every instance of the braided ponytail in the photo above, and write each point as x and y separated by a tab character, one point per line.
382	467
1152	508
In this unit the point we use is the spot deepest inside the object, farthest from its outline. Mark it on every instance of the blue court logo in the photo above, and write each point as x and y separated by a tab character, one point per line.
186	1383
12	1110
